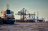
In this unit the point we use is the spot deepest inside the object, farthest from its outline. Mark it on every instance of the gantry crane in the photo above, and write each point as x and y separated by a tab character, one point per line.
23	13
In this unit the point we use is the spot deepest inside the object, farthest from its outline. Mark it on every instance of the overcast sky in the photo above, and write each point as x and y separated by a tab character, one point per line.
31	5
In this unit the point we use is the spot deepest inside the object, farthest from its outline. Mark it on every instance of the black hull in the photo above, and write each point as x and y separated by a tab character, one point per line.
7	22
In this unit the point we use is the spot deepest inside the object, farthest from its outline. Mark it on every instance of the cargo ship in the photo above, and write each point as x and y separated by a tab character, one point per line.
7	16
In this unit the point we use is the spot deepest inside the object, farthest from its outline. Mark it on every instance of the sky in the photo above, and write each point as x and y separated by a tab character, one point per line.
31	5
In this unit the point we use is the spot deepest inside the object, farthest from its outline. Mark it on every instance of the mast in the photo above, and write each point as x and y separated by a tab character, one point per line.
8	1
7	6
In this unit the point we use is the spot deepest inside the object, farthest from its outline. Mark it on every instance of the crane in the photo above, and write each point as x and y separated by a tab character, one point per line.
23	14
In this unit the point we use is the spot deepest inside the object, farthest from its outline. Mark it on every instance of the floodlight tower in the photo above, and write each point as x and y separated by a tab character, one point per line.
37	15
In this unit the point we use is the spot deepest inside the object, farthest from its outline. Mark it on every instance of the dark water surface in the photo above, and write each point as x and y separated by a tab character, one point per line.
25	27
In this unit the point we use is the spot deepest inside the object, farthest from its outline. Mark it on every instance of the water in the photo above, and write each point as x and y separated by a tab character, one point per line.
25	27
